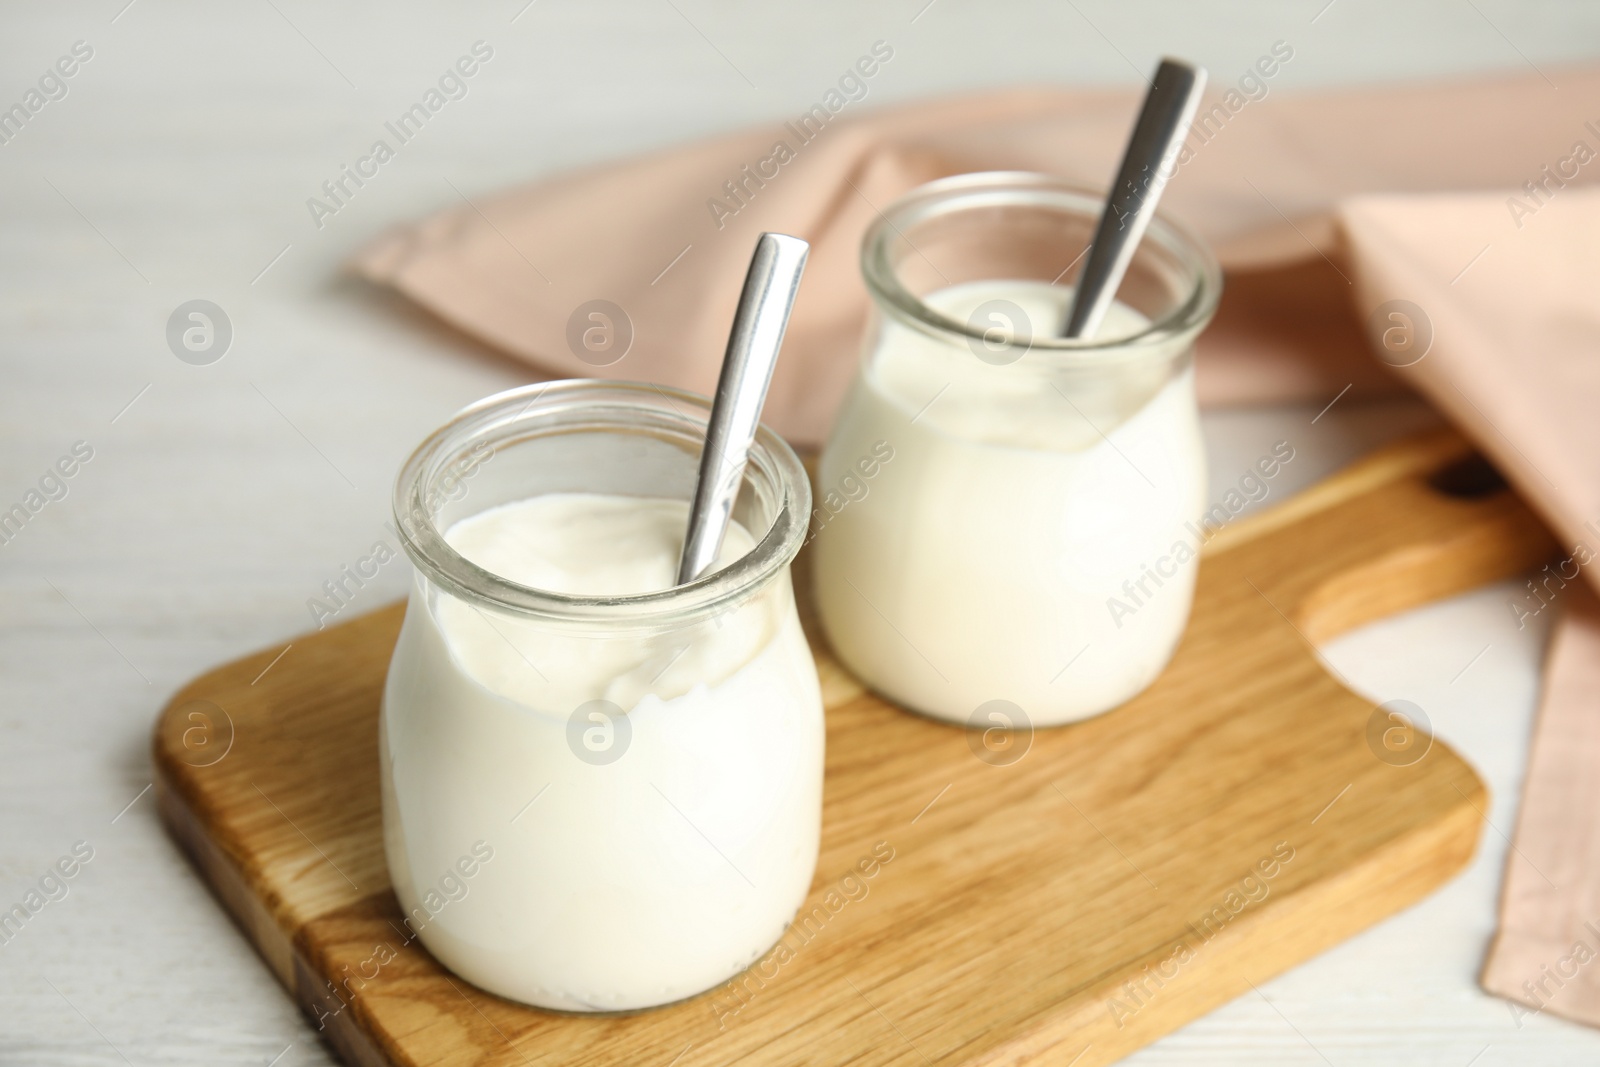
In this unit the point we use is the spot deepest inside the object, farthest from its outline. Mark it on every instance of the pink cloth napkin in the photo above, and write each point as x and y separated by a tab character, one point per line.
1516	363
1471	202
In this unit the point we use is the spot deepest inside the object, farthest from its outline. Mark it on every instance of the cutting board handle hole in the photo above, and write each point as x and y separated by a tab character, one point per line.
1469	478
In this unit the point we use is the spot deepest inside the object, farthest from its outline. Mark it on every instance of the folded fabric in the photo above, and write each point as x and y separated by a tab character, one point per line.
1467	203
1515	362
1549	938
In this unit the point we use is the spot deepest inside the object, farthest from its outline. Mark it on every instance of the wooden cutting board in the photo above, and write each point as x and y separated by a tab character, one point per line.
1121	878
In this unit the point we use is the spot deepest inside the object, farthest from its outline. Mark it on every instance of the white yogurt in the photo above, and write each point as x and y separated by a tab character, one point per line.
611	885
1021	505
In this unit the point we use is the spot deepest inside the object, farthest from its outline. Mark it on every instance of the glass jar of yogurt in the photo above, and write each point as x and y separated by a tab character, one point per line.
600	791
1033	538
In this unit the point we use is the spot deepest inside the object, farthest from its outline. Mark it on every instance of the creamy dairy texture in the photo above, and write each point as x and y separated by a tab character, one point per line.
1020	500
626	883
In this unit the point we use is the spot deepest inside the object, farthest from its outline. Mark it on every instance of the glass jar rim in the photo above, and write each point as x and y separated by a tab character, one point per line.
995	188
677	415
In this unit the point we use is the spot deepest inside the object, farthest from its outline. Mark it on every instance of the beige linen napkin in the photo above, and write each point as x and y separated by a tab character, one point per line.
1466	201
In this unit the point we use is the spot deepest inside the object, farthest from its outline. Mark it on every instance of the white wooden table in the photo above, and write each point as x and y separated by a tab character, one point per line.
220	497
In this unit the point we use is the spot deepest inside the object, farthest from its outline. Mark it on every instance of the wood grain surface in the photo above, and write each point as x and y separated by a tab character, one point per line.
1124	876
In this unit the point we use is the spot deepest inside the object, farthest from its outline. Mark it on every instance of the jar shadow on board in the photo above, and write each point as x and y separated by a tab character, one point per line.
1034	538
598	802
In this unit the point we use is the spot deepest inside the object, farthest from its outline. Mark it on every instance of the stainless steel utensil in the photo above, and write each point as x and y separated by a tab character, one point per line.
758	328
1163	123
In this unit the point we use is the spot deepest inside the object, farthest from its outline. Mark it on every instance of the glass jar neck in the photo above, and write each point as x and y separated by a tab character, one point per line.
599	437
1030	229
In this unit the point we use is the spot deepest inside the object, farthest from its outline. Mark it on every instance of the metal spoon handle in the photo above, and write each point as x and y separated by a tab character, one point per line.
1163	123
758	328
